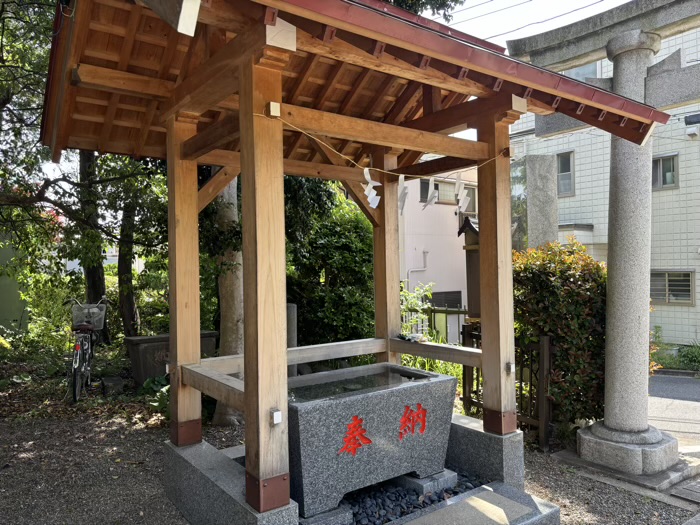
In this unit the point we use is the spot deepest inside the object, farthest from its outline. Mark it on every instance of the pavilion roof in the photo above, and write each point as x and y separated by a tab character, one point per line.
115	65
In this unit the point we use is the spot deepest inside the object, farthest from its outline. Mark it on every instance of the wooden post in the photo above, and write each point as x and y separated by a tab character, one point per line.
265	310
496	272
543	410
183	252
387	281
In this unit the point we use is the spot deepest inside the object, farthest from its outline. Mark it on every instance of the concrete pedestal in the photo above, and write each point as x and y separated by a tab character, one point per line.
633	458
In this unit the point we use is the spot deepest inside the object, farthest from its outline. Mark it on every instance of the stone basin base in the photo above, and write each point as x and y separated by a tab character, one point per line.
351	428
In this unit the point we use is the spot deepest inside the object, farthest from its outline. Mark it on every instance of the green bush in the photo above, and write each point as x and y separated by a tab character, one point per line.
689	357
330	278
560	291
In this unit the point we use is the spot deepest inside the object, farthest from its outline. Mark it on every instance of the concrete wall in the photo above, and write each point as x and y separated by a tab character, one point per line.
675	212
11	306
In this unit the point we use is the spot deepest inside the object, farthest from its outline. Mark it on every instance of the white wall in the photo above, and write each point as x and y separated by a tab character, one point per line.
434	230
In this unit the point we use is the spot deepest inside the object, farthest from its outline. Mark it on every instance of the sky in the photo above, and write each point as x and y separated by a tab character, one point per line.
488	18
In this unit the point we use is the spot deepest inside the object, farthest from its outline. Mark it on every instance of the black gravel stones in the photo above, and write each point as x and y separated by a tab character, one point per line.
384	502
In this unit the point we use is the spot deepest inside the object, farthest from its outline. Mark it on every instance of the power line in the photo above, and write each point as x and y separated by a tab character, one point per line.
464	9
546	20
491	12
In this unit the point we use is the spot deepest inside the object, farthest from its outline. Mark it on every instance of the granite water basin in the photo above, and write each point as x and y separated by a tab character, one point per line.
354	427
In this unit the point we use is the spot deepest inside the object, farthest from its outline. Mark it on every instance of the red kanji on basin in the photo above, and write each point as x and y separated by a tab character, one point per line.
412	419
355	437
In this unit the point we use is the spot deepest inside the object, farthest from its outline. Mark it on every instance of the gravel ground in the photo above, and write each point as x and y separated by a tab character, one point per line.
584	501
83	471
79	470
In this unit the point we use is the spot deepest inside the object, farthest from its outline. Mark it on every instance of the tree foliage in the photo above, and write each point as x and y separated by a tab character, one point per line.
437	7
560	291
330	278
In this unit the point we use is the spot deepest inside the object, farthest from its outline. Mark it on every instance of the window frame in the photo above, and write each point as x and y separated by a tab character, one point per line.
425	181
667	271
572	157
676	172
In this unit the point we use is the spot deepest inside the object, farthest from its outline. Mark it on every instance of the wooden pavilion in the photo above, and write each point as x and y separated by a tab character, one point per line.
264	88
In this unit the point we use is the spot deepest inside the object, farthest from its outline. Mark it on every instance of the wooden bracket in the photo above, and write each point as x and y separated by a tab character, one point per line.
328	34
379	47
270	18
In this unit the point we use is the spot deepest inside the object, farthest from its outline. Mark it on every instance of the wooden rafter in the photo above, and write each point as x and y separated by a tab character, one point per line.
180	14
127	47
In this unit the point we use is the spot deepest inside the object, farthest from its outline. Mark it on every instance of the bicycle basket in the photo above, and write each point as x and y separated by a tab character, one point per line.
93	314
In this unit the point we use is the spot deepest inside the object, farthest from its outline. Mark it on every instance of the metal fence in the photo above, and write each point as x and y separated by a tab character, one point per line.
443	324
532	362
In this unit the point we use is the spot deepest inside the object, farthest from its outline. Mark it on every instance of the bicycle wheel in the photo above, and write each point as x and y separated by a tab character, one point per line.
77	383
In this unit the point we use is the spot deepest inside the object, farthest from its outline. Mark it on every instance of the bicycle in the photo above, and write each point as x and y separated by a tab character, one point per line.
88	320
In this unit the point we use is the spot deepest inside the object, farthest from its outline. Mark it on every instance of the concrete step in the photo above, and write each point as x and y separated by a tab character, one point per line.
493	504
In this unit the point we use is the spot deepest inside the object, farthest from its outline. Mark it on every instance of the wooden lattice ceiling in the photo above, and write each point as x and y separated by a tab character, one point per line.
115	64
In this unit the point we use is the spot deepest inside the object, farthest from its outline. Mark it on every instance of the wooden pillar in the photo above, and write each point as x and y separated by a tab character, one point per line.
264	285
387	280
496	274
183	252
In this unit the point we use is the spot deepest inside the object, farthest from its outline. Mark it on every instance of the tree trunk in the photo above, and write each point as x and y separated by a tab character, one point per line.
127	302
92	259
230	295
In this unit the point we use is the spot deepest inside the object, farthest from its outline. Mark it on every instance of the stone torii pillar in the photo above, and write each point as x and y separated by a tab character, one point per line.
624	440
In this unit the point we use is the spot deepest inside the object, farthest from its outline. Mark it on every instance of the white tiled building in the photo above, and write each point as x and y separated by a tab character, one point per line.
583	196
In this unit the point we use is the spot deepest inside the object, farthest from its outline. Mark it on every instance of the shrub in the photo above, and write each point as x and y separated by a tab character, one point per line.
560	291
689	357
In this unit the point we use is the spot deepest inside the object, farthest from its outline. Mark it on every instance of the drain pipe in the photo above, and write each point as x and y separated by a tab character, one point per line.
412	270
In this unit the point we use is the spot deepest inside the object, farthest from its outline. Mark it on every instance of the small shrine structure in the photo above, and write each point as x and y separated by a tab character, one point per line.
267	88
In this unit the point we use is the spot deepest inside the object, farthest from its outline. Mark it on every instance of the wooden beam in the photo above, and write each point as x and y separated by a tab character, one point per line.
233	364
434	167
213	137
496	279
465	115
387	279
216	185
359	130
264	274
451	354
217	78
215	384
180	14
72	37
122	82
183	252
296	168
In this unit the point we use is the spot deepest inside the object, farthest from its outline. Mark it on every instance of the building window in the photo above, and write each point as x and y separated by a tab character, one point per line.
446	193
664	172
583	72
673	287
565	174
446	299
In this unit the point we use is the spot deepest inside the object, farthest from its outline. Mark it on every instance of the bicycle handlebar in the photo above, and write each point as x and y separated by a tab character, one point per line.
75	301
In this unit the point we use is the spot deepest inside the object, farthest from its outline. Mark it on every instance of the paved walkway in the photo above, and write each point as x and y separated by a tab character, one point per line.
674	407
